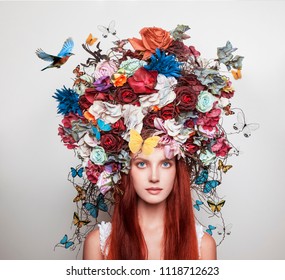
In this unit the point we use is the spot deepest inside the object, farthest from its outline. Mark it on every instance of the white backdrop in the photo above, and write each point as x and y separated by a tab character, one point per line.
35	196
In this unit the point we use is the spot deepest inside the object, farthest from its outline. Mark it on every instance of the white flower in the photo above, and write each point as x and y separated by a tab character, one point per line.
147	101
109	113
172	127
165	89
133	117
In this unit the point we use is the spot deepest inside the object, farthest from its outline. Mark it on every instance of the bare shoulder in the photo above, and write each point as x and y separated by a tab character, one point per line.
92	250
208	247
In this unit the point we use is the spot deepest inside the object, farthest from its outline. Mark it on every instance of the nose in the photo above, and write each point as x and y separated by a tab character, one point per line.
154	175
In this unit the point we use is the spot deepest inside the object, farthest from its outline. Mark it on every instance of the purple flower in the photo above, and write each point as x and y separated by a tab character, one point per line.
102	84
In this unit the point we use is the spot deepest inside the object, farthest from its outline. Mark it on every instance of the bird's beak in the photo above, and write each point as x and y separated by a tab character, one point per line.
72	54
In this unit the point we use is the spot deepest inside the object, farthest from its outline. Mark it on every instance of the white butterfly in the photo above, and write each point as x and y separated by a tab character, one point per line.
106	30
224	230
242	126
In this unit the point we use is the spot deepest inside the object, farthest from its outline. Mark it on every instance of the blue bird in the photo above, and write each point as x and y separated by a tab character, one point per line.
61	58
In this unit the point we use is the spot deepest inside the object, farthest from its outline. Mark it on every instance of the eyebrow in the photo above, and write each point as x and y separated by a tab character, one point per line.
143	159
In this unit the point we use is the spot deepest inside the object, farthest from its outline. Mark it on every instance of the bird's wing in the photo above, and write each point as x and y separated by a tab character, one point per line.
66	48
43	55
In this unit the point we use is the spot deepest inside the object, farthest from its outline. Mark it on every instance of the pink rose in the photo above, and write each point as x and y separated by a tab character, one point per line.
221	147
105	68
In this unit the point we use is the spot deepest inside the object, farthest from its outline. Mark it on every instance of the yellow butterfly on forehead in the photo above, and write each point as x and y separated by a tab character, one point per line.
137	143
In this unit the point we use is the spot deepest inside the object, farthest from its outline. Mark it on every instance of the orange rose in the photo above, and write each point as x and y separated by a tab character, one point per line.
152	38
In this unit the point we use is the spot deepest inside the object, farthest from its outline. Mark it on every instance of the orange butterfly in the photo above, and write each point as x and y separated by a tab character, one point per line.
78	222
237	74
90	40
227	110
137	143
81	194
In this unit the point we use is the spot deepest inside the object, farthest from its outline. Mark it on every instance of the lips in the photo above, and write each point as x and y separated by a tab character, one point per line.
154	190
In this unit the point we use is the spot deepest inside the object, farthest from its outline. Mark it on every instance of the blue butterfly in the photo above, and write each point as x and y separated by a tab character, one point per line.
75	172
102	126
197	205
203	178
94	208
64	241
210	228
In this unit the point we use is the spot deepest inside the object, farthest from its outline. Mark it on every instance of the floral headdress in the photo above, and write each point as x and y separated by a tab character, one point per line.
159	86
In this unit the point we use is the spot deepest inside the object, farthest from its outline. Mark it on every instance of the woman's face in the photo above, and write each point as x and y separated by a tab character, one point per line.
153	176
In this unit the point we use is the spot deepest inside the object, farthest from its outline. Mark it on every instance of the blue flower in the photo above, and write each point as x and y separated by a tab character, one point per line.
164	64
68	101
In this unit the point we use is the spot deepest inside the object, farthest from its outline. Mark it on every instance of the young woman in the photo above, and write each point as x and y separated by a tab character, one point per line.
154	218
146	120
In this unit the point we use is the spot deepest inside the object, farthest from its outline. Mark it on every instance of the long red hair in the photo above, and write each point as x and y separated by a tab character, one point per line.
126	240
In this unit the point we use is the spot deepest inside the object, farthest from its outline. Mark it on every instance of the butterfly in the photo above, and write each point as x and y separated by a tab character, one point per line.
77	71
64	241
216	207
101	126
210	229
197	205
224	230
81	194
203	179
236	74
75	172
77	222
137	143
106	30
90	40
242	126
227	110
94	208
119	45
224	168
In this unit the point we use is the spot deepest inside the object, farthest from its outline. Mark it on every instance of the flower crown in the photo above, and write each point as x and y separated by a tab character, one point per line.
160	92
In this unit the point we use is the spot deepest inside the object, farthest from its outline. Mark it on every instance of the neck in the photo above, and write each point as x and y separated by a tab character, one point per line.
151	215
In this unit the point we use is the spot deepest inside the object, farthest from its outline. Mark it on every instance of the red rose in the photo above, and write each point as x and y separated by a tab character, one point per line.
180	50
148	120
186	98
143	81
168	112
192	81
125	95
93	171
118	127
221	147
190	146
189	123
111	143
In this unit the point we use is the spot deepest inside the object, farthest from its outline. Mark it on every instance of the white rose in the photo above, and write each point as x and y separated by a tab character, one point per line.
133	117
164	86
109	113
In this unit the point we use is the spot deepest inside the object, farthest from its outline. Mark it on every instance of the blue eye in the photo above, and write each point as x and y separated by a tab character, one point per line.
166	164
141	164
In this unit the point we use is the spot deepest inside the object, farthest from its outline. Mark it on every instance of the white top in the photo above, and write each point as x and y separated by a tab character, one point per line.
105	230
